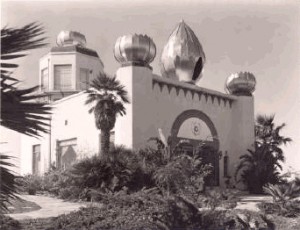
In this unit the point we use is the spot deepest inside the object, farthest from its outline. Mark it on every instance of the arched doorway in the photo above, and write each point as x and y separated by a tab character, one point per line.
196	134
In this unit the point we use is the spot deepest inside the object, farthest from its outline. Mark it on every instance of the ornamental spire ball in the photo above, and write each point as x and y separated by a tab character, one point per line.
183	58
241	84
70	38
136	49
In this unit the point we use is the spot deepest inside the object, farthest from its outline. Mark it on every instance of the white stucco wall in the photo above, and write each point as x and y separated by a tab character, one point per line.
155	106
10	145
70	119
80	124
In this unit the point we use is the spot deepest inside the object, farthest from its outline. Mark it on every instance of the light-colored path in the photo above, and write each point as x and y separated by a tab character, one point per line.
250	202
50	207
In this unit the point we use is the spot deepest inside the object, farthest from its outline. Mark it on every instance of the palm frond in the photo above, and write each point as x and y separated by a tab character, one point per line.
21	115
19	110
8	185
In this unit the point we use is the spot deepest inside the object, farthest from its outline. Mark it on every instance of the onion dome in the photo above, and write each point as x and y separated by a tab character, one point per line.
241	84
183	58
136	49
70	38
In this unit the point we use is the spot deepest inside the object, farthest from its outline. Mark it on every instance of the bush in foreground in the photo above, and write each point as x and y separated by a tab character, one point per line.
148	209
7	223
143	210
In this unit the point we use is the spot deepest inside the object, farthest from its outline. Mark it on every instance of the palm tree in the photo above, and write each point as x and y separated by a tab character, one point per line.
19	111
268	136
263	164
107	97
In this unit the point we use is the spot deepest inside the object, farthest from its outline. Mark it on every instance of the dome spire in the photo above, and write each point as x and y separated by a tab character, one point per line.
183	57
137	49
70	38
241	84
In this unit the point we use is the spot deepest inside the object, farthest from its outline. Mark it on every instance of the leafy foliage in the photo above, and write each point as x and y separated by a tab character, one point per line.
8	223
107	97
285	201
235	219
176	171
262	164
30	184
283	193
145	209
218	198
8	186
19	111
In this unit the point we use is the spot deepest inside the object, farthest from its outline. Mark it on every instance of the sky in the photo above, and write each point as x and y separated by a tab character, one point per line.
262	37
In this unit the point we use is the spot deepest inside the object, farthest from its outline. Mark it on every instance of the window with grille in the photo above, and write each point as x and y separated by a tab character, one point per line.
84	79
45	79
62	77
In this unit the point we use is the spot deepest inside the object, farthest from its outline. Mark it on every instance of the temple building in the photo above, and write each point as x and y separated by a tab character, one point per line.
172	104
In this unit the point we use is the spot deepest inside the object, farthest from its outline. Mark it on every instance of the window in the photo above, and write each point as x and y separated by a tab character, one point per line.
84	79
62	77
66	152
45	79
36	159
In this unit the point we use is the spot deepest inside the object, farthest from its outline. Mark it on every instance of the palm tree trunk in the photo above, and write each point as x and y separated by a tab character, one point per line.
105	141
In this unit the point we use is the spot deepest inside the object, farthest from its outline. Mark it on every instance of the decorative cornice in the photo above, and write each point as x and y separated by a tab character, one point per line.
214	96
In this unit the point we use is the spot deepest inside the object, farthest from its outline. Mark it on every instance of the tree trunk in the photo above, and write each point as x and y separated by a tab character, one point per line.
105	142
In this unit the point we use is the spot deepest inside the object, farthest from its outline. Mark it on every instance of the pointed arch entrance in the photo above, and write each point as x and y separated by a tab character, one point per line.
195	133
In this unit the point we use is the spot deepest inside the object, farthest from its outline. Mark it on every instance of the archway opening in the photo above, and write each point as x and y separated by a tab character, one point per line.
195	134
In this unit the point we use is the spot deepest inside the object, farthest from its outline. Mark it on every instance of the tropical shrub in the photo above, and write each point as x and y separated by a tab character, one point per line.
285	201
218	198
30	184
262	164
142	210
174	171
120	171
283	193
180	171
235	219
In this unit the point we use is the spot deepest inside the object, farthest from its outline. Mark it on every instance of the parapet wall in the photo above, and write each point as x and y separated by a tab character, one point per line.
201	93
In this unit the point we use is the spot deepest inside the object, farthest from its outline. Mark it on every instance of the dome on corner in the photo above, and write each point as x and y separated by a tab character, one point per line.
183	57
70	38
135	49
241	84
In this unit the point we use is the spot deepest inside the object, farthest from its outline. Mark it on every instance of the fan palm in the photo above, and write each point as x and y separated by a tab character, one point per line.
268	136
258	168
19	110
7	181
107	97
262	165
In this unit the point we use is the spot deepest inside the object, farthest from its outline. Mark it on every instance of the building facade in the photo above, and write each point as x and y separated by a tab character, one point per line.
172	105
